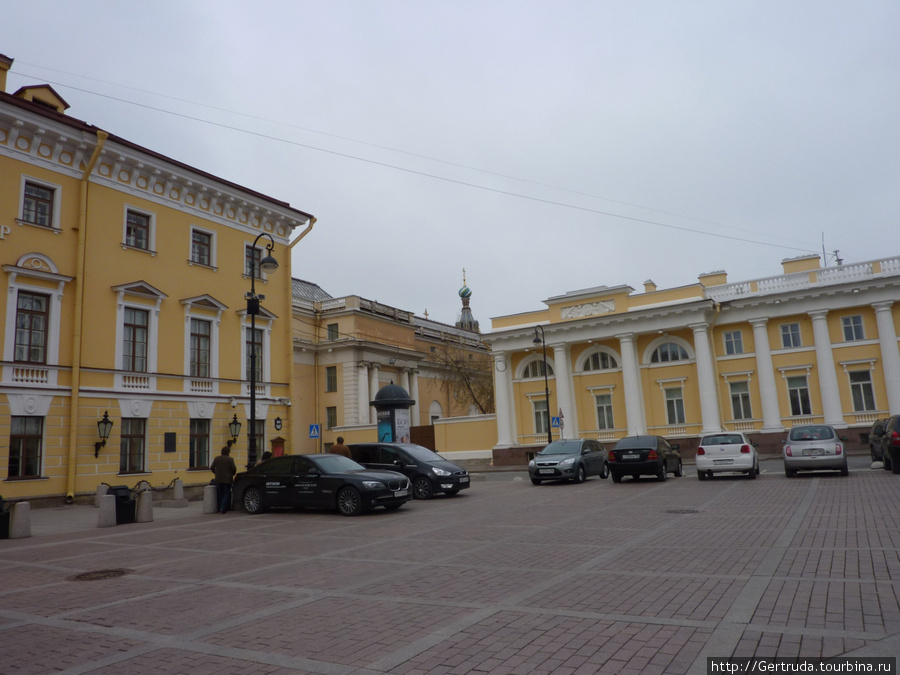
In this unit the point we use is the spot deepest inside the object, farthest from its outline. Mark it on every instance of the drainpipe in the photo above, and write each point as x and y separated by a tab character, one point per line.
290	346
79	318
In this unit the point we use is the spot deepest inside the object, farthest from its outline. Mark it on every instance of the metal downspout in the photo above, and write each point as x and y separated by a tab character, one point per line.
290	347
79	318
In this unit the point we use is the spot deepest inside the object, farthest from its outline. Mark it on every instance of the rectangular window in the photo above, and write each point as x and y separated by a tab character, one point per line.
25	446
135	338
674	406
604	411
131	448
853	328
200	341
137	230
260	437
31	327
37	208
252	256
740	400
330	417
331	378
790	335
332	331
254	346
734	342
862	391
541	418
798	393
199	451
201	247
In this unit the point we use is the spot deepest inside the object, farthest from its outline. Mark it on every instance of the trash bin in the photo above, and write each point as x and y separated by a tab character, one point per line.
125	503
4	519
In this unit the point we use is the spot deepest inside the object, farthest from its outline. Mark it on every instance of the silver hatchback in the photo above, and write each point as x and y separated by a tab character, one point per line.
812	447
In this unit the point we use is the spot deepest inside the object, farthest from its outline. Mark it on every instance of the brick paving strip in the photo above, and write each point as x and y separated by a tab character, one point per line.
638	577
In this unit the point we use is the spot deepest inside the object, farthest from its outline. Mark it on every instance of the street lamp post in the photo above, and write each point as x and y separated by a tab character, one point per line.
267	264
539	340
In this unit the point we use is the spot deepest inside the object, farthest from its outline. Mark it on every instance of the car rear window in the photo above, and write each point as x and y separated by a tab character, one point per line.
722	439
813	433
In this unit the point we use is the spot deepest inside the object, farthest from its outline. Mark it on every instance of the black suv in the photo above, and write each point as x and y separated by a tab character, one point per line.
875	434
427	471
890	444
644	456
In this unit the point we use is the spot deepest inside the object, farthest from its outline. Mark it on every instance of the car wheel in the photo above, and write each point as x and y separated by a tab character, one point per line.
679	472
635	476
616	478
580	476
845	470
895	464
349	503
422	488
535	481
790	473
252	501
701	475
886	459
604	472
753	472
662	474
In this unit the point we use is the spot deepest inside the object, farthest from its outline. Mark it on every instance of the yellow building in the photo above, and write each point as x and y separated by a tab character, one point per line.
346	349
812	345
125	278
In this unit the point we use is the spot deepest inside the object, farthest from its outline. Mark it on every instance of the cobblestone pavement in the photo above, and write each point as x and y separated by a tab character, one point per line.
639	577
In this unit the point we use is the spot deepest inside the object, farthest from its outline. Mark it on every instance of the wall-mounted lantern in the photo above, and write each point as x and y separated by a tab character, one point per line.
104	427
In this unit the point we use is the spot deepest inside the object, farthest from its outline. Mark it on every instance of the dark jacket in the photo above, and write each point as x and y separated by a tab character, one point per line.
224	468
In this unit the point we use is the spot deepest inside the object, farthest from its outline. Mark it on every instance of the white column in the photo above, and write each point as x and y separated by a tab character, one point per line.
414	395
373	390
890	355
565	391
768	394
706	378
634	399
404	379
503	400
362	394
828	384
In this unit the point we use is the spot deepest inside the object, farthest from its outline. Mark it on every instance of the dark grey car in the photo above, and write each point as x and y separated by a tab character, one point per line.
875	435
428	472
574	460
890	444
637	456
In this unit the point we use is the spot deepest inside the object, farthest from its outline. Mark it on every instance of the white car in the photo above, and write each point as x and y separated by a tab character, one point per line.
727	453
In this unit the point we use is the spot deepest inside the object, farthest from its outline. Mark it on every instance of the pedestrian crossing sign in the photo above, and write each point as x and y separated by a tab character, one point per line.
313	430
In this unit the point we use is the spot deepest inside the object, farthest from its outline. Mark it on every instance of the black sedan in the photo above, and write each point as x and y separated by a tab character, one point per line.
644	455
319	481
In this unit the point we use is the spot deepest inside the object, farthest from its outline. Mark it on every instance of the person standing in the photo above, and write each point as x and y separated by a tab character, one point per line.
339	448
224	469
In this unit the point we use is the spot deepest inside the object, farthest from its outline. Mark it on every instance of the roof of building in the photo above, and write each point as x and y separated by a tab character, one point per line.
307	290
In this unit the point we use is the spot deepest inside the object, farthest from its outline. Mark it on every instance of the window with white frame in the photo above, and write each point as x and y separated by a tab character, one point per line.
199	444
604	406
331	378
541	416
26	440
32	325
132	445
139	230
202	247
600	361
740	400
734	342
798	395
669	351
790	335
853	328
861	390
201	340
136	338
39	204
674	405
254	347
536	369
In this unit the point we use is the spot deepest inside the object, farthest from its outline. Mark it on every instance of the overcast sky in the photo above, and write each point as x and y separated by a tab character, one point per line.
543	146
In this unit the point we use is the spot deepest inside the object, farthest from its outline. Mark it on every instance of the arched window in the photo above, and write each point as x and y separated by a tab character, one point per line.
669	351
536	369
600	361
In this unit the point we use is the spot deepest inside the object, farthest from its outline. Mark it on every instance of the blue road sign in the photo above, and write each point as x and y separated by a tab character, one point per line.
313	430
554	422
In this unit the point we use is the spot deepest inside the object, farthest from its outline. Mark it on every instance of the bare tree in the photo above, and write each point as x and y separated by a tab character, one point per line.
466	376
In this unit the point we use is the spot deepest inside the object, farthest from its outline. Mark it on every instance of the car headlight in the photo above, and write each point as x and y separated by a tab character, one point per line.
441	472
567	462
373	484
531	463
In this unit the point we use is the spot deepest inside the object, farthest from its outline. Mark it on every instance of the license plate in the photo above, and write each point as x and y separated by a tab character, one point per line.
400	493
546	471
813	452
723	461
631	456
464	479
